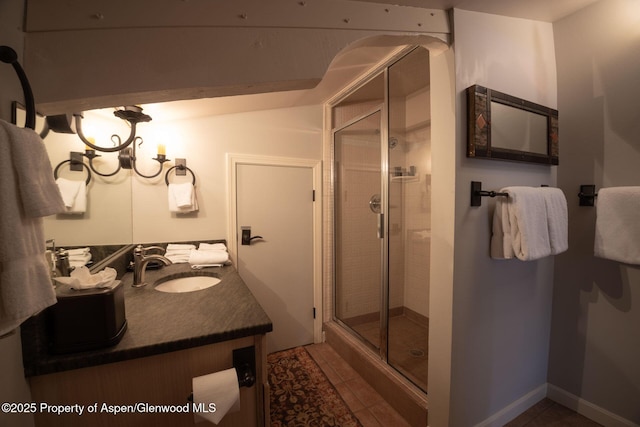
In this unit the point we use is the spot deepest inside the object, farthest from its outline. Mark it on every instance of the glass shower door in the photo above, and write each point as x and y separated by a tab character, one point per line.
409	215
359	249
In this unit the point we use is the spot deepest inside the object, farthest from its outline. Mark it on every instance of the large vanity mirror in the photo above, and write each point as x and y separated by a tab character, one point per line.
504	127
107	220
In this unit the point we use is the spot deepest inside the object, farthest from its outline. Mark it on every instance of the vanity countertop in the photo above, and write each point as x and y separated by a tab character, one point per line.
160	322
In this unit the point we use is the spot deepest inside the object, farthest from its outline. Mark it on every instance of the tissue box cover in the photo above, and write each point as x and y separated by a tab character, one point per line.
86	319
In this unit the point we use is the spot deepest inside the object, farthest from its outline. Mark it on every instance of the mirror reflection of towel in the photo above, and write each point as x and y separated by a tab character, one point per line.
74	195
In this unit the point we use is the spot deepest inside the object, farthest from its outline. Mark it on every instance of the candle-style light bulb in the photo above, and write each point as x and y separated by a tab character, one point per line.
161	150
91	140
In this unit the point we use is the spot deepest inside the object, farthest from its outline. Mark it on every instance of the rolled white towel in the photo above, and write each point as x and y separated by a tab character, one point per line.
212	247
179	252
208	257
78	252
179	246
178	256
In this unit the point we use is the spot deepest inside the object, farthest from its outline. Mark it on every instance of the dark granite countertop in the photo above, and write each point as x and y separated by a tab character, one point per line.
160	322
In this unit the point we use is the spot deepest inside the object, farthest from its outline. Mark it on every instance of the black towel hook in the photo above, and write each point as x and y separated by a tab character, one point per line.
9	56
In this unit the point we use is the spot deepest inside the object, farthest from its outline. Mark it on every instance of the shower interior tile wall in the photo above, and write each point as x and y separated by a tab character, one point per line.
411	201
417	216
361	254
413	197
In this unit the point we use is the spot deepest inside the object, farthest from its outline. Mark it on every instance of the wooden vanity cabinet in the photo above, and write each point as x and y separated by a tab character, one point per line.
162	379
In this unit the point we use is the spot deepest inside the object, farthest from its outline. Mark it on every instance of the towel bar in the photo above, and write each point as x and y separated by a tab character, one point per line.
477	193
179	167
73	162
9	56
587	195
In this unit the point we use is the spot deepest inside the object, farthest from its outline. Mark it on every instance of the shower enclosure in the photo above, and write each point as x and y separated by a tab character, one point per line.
382	218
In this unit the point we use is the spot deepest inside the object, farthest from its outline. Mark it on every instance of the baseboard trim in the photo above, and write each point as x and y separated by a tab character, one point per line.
516	408
586	408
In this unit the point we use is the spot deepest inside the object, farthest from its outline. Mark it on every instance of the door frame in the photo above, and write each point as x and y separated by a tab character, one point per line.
233	160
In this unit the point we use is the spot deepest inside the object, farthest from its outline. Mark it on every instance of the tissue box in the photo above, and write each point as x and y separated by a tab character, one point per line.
86	319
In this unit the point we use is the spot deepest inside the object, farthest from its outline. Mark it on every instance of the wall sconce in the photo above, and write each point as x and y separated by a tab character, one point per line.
127	159
126	150
131	113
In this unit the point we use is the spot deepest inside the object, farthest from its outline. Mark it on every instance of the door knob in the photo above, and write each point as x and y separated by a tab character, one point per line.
246	236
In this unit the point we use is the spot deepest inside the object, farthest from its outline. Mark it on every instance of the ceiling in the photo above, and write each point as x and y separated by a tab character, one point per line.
539	10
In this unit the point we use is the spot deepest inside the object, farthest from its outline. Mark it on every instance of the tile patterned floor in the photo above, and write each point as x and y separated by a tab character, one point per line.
373	411
364	401
408	346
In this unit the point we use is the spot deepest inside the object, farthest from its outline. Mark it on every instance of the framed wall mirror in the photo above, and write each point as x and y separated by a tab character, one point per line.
505	127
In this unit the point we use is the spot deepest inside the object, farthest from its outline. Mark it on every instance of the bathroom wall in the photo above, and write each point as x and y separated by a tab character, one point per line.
204	142
127	208
501	309
13	388
594	337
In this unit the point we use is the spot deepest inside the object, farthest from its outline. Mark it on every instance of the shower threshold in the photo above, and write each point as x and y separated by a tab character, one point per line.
402	394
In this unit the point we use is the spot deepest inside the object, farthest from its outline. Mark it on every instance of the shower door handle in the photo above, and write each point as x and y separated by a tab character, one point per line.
380	226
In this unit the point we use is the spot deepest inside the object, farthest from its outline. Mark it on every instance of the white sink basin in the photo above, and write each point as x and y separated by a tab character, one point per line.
187	284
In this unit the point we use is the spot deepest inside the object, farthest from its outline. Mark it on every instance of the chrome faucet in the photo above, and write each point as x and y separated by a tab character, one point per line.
140	261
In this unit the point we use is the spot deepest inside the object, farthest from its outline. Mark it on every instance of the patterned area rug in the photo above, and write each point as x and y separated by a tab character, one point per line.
301	394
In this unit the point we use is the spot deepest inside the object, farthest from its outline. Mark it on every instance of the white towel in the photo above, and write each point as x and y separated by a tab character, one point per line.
557	219
212	247
78	252
74	195
501	246
182	198
27	193
617	226
208	257
523	226
179	252
180	246
80	203
68	190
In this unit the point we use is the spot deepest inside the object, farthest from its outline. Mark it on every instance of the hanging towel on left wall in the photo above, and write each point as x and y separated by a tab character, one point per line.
27	193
